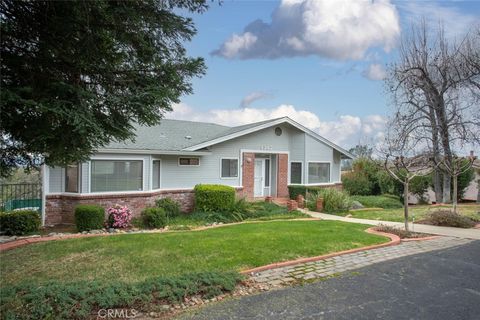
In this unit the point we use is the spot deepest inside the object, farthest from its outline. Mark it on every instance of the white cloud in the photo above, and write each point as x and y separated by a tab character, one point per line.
346	131
338	29
456	23
252	97
375	71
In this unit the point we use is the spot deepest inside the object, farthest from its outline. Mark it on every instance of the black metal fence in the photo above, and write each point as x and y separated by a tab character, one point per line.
20	196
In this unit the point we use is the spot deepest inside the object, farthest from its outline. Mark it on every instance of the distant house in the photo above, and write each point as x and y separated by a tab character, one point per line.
471	192
259	159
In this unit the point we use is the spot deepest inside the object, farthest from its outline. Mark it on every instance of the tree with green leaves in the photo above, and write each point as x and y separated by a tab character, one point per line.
79	74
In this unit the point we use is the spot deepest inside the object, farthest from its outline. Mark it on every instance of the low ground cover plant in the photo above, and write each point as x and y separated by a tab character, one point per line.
401	233
19	222
89	217
79	300
383	201
447	218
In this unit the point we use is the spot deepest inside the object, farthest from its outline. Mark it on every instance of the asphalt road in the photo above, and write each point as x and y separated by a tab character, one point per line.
439	285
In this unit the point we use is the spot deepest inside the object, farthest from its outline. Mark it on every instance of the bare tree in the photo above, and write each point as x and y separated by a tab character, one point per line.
456	167
435	88
405	169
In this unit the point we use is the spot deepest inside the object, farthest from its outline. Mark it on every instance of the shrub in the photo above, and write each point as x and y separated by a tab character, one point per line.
89	217
357	183
334	201
214	197
154	217
294	191
447	218
79	300
19	222
119	216
385	202
171	207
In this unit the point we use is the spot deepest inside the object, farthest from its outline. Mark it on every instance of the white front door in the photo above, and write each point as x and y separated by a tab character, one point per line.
258	178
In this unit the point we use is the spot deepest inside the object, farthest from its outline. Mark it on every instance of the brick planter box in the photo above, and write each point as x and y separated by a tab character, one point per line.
59	209
319	205
292	205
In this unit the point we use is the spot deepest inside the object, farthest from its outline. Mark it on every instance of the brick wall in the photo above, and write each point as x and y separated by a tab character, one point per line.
282	178
59	209
248	175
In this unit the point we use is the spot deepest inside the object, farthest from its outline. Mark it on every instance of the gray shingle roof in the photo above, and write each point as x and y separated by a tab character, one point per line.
170	135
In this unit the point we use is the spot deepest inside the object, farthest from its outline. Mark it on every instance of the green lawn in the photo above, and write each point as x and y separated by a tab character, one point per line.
420	211
135	257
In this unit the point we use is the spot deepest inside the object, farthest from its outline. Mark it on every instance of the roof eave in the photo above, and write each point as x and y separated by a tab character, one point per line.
345	153
154	151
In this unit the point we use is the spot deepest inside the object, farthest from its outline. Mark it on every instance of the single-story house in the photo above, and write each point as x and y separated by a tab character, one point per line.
259	159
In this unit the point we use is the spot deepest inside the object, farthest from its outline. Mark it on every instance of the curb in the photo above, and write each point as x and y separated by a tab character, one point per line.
420	239
394	240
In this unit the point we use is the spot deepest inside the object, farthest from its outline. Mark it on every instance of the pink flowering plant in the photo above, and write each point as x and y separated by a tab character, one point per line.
119	216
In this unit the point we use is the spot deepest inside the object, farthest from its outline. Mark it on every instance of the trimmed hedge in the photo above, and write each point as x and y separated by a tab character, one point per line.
19	222
214	197
89	217
385	202
295	190
154	217
171	207
79	300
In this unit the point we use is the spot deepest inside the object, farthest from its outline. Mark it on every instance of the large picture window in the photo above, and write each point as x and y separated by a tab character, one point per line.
296	172
229	168
116	175
72	178
156	174
318	172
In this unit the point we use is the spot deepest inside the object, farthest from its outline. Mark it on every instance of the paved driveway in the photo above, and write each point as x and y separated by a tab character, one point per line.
442	284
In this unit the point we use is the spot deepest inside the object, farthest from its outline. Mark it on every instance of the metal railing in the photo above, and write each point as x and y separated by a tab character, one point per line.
20	196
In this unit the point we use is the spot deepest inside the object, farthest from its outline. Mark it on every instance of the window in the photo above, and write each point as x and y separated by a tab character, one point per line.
156	174
229	168
318	172
296	172
267	172
116	175
72	174
189	161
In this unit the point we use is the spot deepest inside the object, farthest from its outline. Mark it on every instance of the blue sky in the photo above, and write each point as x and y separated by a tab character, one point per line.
328	75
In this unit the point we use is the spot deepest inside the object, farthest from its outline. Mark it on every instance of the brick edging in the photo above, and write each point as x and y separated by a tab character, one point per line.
394	240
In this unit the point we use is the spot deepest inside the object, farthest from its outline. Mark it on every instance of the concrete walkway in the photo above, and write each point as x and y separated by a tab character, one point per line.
335	265
423	228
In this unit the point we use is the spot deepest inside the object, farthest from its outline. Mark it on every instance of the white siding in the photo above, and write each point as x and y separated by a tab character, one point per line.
56	181
317	151
301	147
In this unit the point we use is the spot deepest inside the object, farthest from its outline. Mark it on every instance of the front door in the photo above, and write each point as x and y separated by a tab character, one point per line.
259	177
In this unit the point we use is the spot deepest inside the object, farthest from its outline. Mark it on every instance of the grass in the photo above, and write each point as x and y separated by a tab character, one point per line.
383	201
135	257
419	211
